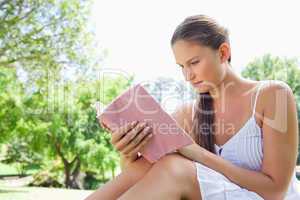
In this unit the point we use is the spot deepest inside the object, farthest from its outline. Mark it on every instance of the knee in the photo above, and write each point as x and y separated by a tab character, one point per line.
138	168
184	171
176	166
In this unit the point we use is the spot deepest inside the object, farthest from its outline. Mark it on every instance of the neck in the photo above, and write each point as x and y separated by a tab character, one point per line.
228	86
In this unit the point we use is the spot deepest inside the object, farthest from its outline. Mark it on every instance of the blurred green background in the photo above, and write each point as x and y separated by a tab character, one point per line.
50	78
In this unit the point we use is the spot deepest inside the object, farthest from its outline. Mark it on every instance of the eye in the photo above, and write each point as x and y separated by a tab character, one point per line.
195	62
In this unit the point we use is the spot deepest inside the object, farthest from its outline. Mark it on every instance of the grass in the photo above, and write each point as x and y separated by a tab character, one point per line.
16	192
39	193
12	169
7	169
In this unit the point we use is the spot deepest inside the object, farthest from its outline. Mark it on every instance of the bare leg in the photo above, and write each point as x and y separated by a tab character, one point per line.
121	183
173	177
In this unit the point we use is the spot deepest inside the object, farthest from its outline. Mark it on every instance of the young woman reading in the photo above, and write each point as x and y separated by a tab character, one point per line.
245	132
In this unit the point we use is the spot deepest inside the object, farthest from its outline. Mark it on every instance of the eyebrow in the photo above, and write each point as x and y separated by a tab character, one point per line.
189	60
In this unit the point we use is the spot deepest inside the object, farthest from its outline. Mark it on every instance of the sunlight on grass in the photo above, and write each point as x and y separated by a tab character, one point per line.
7	169
39	193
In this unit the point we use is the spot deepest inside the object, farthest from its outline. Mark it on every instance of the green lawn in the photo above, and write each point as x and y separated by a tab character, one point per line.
16	192
12	169
39	193
7	169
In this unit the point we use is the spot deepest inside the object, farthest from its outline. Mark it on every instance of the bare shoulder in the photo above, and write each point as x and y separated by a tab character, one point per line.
273	85
275	90
183	116
277	98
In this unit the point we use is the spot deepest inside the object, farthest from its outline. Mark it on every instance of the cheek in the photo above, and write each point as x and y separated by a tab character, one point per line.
209	72
204	70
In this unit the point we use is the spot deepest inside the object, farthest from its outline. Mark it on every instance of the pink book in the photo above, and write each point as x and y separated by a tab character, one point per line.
137	104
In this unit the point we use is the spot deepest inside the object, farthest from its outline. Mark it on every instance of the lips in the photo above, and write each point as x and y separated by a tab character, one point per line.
197	83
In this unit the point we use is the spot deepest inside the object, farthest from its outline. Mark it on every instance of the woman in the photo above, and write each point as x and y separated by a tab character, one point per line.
245	132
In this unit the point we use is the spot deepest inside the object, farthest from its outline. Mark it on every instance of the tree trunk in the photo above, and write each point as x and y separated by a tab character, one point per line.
71	169
75	175
102	172
67	174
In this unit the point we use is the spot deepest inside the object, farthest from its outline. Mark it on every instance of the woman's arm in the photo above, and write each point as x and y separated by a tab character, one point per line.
182	116
280	138
126	161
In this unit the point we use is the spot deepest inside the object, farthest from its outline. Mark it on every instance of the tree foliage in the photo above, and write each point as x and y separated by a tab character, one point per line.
46	112
44	34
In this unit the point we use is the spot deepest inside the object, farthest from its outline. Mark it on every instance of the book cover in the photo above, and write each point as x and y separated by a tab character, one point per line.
137	104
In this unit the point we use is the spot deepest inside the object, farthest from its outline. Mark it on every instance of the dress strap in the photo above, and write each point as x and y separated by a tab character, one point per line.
256	95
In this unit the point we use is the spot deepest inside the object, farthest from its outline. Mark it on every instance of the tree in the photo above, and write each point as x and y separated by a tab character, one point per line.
60	126
11	94
43	33
41	39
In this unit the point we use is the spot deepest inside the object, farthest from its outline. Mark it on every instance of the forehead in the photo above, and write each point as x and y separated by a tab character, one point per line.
184	50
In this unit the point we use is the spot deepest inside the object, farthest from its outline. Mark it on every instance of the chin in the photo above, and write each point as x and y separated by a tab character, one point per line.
202	90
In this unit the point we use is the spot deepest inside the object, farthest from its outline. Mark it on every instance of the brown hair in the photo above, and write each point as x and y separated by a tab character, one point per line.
205	31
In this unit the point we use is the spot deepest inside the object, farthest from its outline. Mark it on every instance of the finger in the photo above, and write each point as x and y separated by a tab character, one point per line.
141	145
123	142
103	125
140	137
118	134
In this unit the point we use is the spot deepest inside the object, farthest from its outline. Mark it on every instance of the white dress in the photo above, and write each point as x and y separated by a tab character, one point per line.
244	149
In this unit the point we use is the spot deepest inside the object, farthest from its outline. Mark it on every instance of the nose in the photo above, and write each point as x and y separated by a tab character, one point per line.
188	74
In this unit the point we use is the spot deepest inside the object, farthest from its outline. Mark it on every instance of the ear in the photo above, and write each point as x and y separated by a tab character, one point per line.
224	52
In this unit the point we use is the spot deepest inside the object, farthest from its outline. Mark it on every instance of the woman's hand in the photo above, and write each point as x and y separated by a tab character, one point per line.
131	138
